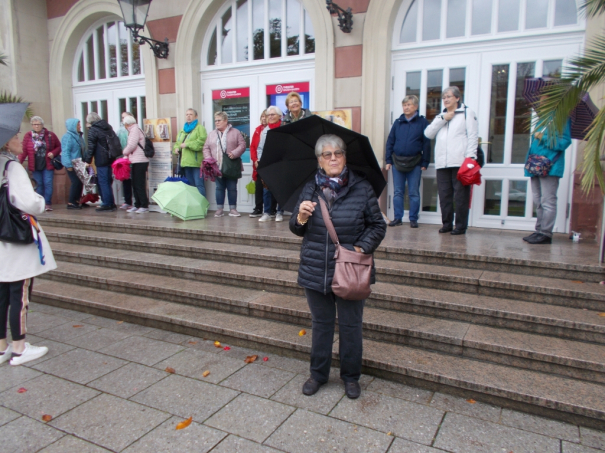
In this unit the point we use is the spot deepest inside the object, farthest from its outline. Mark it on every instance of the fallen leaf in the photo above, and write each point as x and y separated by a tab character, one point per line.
78	325
577	281
205	373
389	433
302	333
185	423
192	342
47	418
120	322
227	348
471	401
217	344
600	283
169	369
265	359
602	315
250	358
22	390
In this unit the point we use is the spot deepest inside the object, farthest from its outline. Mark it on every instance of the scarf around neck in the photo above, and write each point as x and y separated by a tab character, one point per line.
39	142
188	127
332	186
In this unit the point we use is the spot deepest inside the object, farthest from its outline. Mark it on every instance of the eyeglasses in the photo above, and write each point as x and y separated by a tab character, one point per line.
328	155
447	96
36	124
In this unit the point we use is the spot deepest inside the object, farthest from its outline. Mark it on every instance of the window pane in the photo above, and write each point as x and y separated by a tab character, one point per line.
143	107
111	42
408	30
522	119
493	197
309	34
94	107
90	63
103	112
293	26
566	12
458	79
124	37
456	18
81	68
226	38
101	51
133	108
242	30
497	116
482	17
552	68
433	93
536	14
136	58
85	112
517	194
431	20
275	28
412	84
429	195
122	106
508	15
258	25
212	53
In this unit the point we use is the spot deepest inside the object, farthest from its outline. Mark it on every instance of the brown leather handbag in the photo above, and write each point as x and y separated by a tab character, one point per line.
353	270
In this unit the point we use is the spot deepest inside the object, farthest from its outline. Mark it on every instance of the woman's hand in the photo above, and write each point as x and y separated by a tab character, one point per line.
70	169
387	167
183	145
51	155
256	164
357	249
449	115
231	156
306	210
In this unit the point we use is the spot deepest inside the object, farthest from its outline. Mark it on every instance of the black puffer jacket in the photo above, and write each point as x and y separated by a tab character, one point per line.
357	220
97	144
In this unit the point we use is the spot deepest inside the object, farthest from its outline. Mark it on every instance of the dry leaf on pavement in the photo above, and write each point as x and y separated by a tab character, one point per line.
78	325
472	401
577	281
184	424
302	333
250	358
120	322
217	344
47	418
192	342
602	315
206	373
227	348
22	390
169	369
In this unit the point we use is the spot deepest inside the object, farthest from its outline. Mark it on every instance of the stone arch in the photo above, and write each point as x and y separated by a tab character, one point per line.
190	41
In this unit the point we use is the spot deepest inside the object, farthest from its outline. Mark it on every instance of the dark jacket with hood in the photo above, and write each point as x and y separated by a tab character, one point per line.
357	220
407	139
97	144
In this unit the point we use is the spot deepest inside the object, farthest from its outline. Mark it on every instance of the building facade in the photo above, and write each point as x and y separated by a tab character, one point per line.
70	57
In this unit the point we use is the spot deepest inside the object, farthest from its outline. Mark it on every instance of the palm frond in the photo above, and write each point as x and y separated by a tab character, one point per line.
9	98
592	8
595	147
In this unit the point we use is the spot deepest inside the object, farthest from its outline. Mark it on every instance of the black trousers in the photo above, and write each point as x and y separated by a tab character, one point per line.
75	191
350	317
138	174
453	191
258	195
14	303
127	187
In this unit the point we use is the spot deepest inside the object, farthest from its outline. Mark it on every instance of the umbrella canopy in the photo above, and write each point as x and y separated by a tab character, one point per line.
581	116
289	162
11	116
181	200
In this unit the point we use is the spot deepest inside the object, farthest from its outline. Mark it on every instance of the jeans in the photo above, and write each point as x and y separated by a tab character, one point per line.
350	317
44	181
270	203
127	187
105	179
453	191
544	189
231	186
75	191
139	184
413	178
193	176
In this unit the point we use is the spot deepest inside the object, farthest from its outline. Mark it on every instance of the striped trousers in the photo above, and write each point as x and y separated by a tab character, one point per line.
14	303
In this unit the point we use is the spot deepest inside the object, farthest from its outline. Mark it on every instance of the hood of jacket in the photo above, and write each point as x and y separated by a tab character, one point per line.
71	125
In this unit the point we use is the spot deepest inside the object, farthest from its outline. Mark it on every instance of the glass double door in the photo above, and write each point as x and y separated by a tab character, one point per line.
492	85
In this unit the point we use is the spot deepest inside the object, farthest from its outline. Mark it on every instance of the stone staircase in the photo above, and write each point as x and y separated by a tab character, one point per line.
511	331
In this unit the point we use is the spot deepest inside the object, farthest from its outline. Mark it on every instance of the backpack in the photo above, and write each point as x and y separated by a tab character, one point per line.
148	150
114	147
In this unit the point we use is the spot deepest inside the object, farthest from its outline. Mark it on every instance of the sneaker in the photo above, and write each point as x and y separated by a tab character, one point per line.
265	218
142	210
219	213
74	206
272	215
279	217
48	208
29	353
530	237
132	209
126	206
256	213
6	355
540	239
234	213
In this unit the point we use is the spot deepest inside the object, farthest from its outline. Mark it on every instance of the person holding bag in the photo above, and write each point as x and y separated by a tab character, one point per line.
408	153
351	207
72	147
135	153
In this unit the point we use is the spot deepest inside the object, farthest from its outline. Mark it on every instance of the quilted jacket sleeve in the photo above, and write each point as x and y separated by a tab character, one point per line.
375	226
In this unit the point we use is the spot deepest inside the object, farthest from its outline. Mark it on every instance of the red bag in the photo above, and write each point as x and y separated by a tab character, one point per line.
469	172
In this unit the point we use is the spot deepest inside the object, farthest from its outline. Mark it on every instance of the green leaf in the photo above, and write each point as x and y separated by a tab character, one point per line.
9	98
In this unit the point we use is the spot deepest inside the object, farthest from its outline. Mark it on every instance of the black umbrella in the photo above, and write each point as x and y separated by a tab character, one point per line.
11	116
288	161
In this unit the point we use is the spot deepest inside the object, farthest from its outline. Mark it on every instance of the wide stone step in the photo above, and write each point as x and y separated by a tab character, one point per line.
534	289
546	394
550	354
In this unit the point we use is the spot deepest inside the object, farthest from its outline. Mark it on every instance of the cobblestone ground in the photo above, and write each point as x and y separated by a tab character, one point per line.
106	386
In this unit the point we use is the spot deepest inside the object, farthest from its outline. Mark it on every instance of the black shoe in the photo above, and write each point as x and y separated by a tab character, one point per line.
396	222
530	237
85	205
413	224
311	387
352	389
456	232
74	206
540	239
256	213
109	207
445	229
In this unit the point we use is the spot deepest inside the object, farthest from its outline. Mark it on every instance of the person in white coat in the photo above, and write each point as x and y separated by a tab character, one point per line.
456	132
20	263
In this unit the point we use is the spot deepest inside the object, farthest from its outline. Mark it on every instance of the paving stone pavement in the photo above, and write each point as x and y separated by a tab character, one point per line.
113	386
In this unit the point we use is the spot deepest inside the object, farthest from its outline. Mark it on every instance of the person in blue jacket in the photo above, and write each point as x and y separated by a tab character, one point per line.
544	188
408	153
72	145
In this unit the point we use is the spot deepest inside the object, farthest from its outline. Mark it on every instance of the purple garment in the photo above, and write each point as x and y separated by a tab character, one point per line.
210	170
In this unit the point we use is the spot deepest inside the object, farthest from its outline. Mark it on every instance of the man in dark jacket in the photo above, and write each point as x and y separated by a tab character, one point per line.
408	152
99	149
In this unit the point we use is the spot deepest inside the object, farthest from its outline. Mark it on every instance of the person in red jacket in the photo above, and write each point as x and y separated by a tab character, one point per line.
258	195
40	146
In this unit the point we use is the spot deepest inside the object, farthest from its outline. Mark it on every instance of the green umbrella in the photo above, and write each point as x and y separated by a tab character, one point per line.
181	200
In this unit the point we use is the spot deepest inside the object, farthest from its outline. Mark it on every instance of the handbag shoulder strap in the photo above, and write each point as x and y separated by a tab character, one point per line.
328	221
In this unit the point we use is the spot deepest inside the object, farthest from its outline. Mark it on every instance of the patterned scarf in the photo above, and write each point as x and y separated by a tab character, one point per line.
39	142
332	186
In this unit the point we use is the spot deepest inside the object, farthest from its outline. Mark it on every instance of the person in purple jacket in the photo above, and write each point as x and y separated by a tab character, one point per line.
408	153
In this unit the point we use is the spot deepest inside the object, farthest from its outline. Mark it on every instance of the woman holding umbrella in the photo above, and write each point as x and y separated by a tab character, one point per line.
359	226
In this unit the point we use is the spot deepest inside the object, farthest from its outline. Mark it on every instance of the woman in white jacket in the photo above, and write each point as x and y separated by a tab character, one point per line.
456	132
20	263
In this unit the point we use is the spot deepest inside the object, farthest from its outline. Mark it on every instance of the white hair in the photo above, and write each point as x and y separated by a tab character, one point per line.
93	117
274	109
38	119
129	120
330	139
